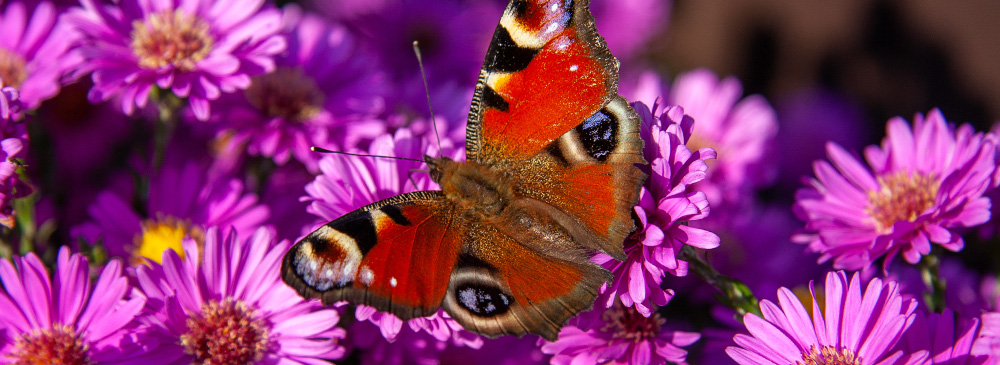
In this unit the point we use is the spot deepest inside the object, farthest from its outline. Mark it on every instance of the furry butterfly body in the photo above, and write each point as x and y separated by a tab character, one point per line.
551	176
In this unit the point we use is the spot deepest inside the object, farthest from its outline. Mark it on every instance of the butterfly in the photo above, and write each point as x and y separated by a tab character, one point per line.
551	176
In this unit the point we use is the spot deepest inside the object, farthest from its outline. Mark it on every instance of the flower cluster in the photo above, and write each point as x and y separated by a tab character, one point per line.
157	162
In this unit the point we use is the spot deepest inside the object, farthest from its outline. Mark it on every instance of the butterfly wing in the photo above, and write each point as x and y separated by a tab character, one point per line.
396	255
546	109
546	116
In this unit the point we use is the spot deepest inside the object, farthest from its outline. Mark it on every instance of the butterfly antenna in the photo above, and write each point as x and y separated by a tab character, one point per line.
427	90
324	150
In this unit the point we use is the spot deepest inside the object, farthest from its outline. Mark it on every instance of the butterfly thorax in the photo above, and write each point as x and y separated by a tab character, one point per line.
471	186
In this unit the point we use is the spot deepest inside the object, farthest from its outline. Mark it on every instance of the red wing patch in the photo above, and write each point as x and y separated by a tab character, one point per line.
395	255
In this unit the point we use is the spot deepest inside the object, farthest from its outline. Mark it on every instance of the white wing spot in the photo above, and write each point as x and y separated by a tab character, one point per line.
554	7
367	276
574	68
552	28
392	282
328	273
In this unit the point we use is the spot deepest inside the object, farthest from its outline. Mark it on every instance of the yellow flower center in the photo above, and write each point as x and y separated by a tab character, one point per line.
12	68
286	93
901	196
165	233
171	38
58	345
226	332
828	355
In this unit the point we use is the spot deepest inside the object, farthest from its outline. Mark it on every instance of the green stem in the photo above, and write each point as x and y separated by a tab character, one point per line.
930	272
734	293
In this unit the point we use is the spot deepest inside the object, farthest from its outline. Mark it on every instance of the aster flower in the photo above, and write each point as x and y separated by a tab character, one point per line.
854	326
742	132
231	307
664	203
943	338
922	184
10	102
385	339
988	341
67	319
195	49
619	335
183	202
325	92
33	51
346	183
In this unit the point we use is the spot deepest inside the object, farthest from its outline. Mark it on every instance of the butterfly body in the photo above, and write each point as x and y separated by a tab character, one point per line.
550	178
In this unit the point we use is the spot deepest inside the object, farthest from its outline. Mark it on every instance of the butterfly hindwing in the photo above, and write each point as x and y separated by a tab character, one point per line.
502	287
396	255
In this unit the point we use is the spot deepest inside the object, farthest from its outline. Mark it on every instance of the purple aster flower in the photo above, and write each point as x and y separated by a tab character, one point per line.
453	37
629	24
67	319
385	340
664	203
854	326
230	306
619	335
10	103
504	350
742	132
183	202
195	49
988	341
346	183
33	51
942	339
921	185
11	147
324	92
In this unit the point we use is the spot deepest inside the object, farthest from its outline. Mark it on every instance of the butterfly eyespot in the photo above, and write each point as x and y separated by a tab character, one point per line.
598	134
484	301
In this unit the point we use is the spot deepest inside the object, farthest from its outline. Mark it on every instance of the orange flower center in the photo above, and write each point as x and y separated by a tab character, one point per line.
58	345
901	196
12	69
171	38
828	355
286	93
226	332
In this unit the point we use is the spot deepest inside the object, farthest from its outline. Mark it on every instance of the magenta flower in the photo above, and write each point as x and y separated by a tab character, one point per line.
854	326
10	102
619	335
385	340
664	203
987	343
195	49
33	51
231	307
67	319
184	201
628	25
346	183
921	185
942	339
325	92
742	132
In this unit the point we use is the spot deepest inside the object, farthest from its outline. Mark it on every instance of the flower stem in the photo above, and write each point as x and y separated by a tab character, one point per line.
735	294
930	272
169	105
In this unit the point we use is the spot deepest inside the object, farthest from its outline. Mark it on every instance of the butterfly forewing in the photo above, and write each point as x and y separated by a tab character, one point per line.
396	255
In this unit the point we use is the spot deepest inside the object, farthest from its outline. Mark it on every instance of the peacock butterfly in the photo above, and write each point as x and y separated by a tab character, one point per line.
551	176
